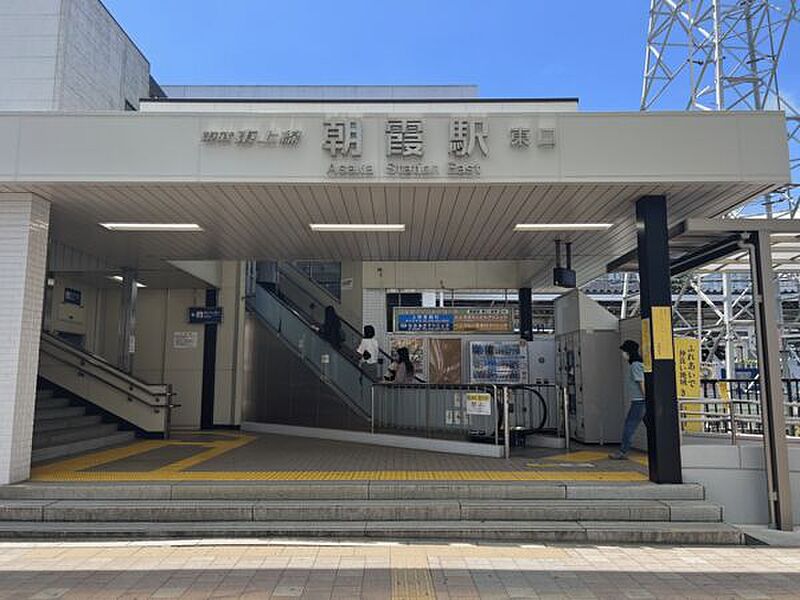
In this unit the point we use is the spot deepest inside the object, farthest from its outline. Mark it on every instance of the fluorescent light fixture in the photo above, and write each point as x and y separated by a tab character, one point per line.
152	226
785	234
363	227
119	279
562	226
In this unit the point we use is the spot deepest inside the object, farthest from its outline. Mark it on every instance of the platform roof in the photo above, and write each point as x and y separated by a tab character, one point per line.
258	201
719	245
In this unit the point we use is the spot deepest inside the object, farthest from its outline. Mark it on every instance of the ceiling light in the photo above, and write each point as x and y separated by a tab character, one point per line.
562	226
785	234
119	279
379	227
152	226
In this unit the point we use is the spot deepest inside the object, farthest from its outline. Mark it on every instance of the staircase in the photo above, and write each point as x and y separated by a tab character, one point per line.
452	511
61	427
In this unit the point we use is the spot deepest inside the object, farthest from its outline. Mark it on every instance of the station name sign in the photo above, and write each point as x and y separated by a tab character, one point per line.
405	146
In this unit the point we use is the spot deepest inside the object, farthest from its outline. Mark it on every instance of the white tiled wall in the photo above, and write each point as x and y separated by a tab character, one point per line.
24	223
375	314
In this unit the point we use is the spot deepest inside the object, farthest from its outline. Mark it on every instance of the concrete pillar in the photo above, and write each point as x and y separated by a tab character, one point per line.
24	224
127	321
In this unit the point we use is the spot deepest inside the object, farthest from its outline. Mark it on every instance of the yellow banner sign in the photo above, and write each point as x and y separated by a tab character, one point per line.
662	332
647	354
687	367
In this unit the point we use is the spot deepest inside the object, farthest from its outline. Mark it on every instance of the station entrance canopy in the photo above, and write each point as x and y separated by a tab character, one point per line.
458	176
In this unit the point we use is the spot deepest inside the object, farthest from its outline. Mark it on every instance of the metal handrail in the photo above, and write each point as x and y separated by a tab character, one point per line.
133	383
297	271
295	310
344	322
153	392
101	363
729	416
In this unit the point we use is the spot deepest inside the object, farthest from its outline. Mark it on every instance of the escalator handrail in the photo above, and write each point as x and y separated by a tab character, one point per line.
345	322
314	327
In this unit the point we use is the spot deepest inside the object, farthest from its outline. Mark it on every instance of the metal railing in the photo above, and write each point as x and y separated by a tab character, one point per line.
732	408
447	411
145	405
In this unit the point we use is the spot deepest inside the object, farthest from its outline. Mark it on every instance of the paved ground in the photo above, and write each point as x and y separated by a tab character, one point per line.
257	457
347	571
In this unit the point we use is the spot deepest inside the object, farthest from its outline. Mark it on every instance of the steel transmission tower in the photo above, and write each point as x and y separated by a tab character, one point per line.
723	55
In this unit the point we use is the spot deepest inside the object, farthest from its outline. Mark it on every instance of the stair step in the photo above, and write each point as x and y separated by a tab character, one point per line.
58	413
53	402
529	531
57	437
369	510
67	423
81	446
358	490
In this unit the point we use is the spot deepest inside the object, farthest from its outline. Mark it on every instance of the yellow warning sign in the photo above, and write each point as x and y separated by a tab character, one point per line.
687	380
687	367
661	317
647	355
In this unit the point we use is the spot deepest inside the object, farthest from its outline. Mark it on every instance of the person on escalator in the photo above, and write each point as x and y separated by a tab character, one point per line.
402	369
331	330
368	352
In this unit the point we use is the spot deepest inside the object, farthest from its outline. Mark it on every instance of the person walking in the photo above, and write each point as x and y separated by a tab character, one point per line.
368	352
634	385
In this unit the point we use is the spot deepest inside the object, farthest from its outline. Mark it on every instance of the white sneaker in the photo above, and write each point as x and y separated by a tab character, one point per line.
618	455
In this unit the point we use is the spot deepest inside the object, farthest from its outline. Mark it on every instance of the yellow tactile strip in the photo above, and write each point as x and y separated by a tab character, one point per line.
79	469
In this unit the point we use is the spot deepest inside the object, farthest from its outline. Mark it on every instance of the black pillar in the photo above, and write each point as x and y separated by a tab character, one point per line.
209	366
525	314
663	436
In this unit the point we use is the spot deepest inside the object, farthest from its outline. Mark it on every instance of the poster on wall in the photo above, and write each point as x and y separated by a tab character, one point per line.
416	351
498	362
456	319
182	340
444	360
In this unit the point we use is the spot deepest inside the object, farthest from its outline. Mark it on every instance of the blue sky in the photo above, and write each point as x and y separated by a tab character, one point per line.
590	49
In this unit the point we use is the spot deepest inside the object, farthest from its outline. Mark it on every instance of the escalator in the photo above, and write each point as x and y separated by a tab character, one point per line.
296	377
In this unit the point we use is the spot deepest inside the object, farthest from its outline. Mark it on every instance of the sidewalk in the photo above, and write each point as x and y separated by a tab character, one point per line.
334	570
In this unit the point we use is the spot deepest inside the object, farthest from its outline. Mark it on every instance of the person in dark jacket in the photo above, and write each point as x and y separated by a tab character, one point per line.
331	329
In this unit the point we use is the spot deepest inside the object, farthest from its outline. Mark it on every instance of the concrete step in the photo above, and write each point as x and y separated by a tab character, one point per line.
67	423
518	531
68	449
359	510
58	437
47	414
52	402
359	490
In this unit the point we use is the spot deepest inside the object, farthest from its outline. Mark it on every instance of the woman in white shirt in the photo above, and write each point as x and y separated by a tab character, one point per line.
368	352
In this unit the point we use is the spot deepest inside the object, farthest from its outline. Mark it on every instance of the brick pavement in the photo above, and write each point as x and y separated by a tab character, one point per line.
136	570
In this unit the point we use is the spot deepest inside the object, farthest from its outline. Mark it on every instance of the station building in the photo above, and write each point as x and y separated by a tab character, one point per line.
169	252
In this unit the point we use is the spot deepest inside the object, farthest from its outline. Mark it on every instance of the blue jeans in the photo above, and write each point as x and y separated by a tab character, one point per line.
635	415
